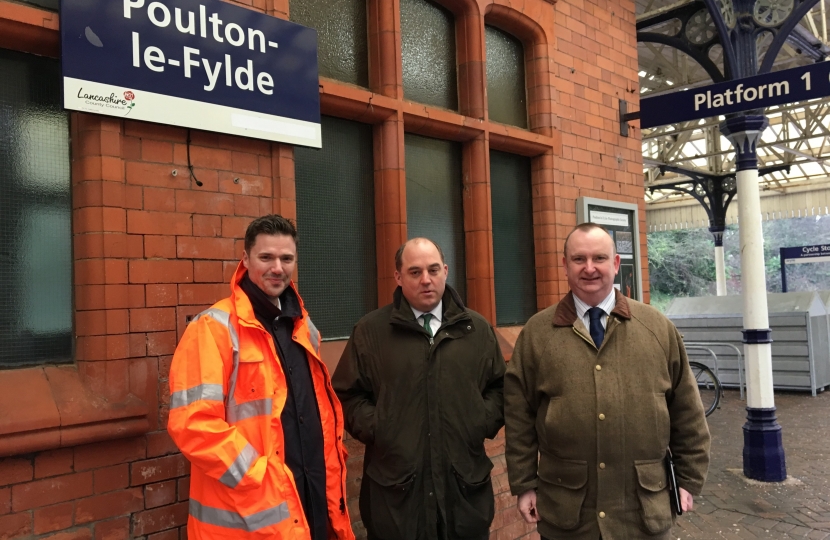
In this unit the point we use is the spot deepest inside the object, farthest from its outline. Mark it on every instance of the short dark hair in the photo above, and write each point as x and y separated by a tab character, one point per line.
588	227
270	224
399	253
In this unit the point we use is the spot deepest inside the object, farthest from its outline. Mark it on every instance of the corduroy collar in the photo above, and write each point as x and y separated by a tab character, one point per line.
565	314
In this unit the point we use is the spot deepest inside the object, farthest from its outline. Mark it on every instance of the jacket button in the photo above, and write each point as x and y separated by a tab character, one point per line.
602	465
601	416
301	419
602	515
599	367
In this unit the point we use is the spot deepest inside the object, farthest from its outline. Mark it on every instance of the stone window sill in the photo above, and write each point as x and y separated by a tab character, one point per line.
29	29
51	407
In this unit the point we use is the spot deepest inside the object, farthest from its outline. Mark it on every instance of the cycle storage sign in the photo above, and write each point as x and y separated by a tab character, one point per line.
202	64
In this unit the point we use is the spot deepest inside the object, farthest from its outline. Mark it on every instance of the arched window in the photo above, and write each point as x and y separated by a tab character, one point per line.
428	54
506	96
342	44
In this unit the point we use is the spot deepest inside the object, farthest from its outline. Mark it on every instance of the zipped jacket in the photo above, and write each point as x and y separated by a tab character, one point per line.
423	407
227	393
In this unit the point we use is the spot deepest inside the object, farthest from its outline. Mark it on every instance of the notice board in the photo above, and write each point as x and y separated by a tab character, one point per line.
622	222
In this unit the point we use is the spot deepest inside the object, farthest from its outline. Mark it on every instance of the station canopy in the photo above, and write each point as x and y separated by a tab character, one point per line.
798	134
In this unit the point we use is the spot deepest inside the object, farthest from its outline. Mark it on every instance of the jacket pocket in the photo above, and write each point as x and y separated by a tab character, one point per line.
473	503
655	506
390	509
252	379
563	484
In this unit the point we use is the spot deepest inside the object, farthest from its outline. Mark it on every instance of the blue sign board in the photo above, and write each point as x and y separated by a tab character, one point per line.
203	64
806	254
801	255
760	91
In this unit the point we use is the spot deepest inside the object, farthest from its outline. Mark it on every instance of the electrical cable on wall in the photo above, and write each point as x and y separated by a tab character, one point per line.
189	164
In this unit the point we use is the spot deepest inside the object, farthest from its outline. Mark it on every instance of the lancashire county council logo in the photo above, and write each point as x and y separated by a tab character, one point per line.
129	96
111	104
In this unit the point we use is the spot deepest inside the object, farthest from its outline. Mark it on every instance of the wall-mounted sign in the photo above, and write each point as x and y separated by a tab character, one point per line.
622	222
801	255
756	92
201	64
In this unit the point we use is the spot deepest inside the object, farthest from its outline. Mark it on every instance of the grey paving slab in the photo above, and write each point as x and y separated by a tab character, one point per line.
731	507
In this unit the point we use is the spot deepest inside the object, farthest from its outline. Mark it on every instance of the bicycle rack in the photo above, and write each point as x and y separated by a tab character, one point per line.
705	345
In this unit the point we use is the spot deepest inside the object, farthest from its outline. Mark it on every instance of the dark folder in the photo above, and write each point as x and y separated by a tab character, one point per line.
674	492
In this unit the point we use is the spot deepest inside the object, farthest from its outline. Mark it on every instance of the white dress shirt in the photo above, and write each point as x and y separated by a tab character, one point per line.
607	306
435	323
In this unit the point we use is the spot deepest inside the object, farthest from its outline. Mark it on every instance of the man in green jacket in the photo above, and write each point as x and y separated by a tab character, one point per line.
598	388
421	384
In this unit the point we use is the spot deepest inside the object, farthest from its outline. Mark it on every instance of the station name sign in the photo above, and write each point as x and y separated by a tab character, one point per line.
758	92
203	64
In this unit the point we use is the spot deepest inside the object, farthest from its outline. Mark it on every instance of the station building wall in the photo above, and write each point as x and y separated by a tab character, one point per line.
83	443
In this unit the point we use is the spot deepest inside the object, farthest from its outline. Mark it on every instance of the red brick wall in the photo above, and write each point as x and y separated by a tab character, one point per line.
88	456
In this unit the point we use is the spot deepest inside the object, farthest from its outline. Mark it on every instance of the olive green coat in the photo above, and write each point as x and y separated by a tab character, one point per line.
601	421
423	408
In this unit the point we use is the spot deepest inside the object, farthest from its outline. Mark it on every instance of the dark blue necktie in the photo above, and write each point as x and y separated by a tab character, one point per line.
596	328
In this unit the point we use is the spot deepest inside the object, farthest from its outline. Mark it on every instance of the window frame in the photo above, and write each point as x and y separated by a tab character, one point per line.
383	105
68	405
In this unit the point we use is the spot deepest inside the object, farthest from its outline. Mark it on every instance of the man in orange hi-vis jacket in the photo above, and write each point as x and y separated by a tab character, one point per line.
253	409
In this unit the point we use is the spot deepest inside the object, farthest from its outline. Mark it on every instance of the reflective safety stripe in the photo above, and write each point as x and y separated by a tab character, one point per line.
237	413
315	336
208	392
225	318
239	467
233	520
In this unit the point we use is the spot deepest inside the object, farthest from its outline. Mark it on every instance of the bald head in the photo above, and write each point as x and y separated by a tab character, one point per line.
589	227
411	241
421	273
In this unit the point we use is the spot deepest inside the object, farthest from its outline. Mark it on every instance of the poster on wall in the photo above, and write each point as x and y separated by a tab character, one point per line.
621	220
203	64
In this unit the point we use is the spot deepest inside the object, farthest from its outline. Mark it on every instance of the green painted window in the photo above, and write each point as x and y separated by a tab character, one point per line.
434	208
35	214
513	253
337	262
506	96
428	54
342	37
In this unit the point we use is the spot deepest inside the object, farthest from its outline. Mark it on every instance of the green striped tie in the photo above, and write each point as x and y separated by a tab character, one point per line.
427	317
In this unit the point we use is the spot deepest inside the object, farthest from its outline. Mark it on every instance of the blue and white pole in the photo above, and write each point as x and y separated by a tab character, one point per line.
763	448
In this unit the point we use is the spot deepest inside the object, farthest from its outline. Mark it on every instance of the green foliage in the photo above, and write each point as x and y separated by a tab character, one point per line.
682	262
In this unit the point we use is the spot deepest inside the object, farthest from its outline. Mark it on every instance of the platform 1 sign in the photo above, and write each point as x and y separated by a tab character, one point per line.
200	64
760	91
